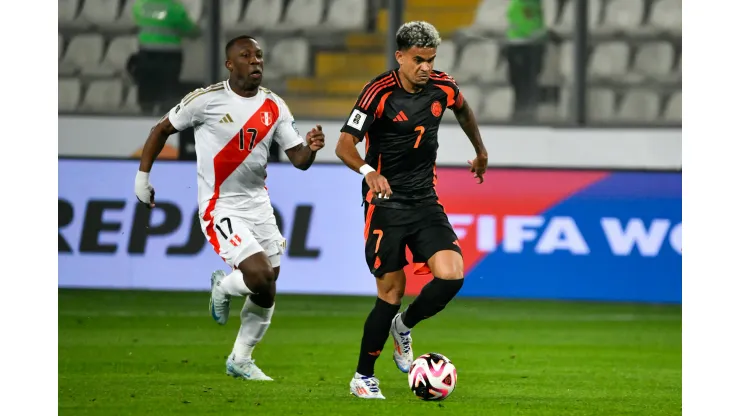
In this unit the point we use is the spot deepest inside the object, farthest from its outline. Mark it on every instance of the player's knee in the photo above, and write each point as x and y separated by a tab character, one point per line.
450	270
447	265
451	274
259	279
392	295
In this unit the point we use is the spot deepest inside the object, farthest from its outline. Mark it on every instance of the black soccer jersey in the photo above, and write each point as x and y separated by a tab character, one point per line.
400	133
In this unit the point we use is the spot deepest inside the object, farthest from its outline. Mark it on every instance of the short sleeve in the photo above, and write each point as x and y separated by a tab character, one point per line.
363	113
447	84
286	132
190	111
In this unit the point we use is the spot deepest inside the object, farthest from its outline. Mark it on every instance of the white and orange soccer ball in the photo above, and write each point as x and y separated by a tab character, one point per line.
432	376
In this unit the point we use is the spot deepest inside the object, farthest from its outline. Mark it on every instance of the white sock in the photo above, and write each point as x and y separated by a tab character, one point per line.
233	284
400	326
255	321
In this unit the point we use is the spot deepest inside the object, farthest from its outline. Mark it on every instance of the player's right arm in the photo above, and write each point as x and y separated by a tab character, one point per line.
188	113
357	125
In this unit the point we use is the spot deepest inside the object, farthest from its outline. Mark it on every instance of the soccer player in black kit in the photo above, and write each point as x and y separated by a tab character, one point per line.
397	115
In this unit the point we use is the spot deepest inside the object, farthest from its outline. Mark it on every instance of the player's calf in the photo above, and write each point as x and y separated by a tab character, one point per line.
433	298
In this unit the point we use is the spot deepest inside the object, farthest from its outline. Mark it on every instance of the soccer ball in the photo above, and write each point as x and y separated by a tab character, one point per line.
432	377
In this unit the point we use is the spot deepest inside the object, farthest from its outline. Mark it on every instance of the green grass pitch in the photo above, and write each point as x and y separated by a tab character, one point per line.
159	353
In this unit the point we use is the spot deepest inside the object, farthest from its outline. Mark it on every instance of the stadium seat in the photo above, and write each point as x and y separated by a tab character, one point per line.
69	13
262	14
491	16
69	94
550	65
654	59
125	20
623	15
498	104
566	60
500	74
103	96
600	104
193	61
117	56
478	60
567	16
84	53
347	15
472	95
101	13
290	57
547	113
60	47
639	106
231	14
666	16
301	14
673	109
194	8
550	10
445	60
131	104
609	60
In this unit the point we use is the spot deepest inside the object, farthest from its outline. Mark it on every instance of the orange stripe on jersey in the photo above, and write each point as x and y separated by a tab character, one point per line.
450	93
442	76
376	90
395	76
230	157
372	88
381	105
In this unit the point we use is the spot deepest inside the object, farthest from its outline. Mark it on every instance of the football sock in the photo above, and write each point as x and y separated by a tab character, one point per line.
255	321
234	285
433	298
377	327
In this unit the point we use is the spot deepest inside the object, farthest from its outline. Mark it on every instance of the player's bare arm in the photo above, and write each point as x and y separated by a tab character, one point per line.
347	152
153	146
303	155
466	118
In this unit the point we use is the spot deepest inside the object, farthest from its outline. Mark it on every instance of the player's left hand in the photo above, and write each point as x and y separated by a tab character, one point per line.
478	166
315	138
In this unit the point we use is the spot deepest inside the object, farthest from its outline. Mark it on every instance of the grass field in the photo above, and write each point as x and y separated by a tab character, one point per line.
153	353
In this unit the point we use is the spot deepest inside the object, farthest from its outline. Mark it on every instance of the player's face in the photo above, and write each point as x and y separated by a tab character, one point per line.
416	64
246	62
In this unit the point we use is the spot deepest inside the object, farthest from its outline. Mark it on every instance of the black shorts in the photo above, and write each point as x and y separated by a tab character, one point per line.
388	231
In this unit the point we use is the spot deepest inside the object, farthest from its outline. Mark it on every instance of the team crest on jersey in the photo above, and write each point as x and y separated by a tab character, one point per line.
266	118
436	109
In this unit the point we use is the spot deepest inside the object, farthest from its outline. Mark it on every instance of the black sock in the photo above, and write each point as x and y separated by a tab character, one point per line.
433	298
377	328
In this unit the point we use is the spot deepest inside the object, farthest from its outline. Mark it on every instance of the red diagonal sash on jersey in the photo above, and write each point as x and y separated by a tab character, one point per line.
230	157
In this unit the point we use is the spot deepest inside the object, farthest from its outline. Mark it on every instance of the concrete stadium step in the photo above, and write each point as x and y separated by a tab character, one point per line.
326	86
359	65
446	19
442	4
320	107
365	41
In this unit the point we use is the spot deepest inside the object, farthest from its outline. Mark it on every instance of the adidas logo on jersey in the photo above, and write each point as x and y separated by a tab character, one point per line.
401	117
226	119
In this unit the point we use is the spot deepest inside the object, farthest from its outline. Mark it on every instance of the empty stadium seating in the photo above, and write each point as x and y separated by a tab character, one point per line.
319	54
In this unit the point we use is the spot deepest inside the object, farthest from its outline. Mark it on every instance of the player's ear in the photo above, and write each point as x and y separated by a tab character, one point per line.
399	57
229	65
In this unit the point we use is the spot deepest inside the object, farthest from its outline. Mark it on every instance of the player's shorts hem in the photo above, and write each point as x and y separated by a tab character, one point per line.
248	252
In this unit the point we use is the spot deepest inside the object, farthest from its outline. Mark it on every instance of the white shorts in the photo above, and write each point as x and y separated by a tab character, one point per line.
235	238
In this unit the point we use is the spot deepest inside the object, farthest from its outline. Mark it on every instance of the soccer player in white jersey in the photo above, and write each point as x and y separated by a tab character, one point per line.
235	121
